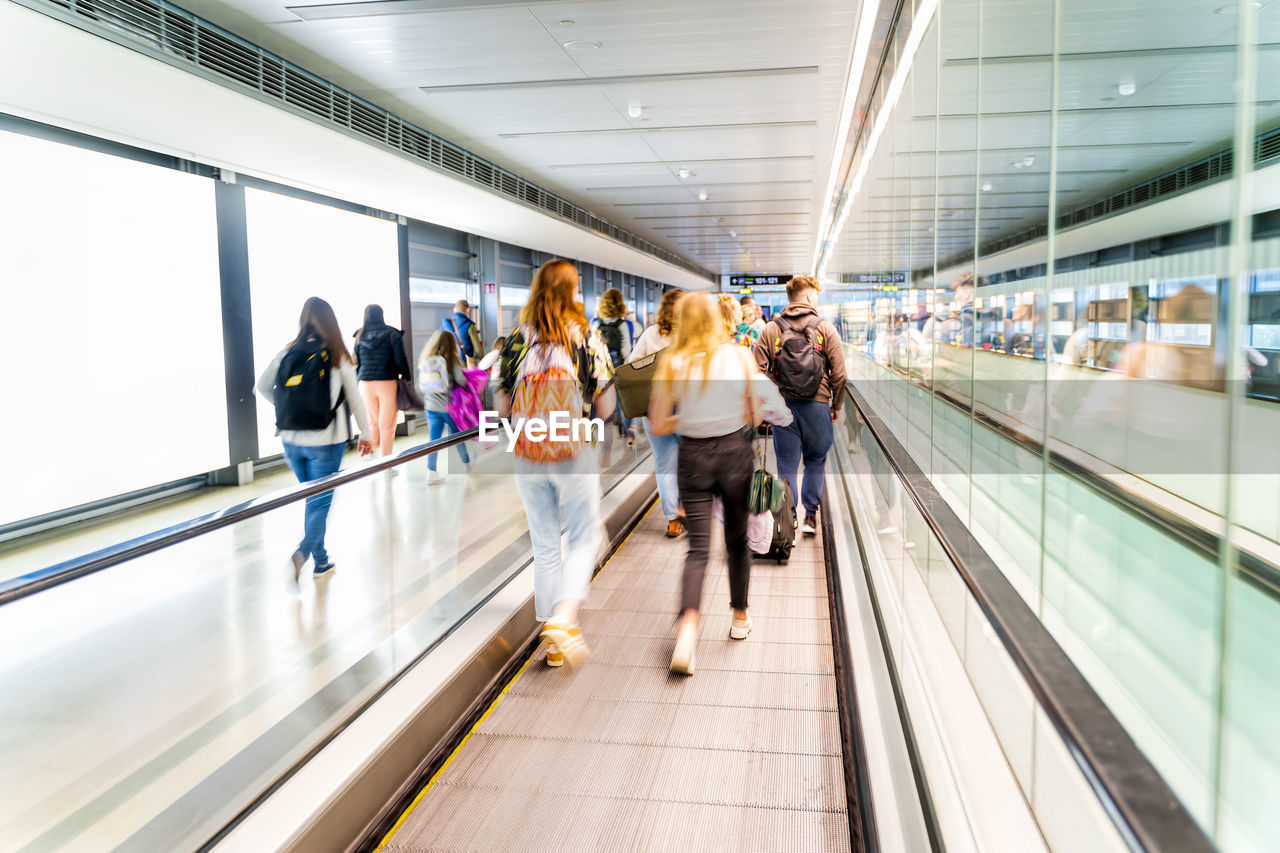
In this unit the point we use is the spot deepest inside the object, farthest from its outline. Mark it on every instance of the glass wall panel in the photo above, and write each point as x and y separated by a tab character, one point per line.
113	333
1095	394
1246	816
299	249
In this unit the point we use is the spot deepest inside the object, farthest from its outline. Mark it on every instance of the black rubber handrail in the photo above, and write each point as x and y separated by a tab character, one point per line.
68	570
1141	805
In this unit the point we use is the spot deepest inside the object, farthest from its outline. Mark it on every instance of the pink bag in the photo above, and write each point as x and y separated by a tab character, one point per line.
760	532
465	402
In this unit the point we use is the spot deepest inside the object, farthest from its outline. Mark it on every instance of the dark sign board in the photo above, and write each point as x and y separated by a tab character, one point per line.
881	278
757	280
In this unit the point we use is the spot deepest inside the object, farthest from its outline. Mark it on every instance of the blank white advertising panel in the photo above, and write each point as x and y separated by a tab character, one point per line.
299	249
112	339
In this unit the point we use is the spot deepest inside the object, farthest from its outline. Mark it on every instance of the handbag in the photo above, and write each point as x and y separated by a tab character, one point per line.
407	397
766	491
634	382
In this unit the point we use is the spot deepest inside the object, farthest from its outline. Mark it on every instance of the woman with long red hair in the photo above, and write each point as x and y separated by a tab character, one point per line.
554	363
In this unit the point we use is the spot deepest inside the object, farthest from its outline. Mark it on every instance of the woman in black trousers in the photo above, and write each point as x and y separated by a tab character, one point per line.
706	392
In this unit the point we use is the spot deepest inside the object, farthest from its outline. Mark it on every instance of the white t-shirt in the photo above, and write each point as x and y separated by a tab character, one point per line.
649	343
718	406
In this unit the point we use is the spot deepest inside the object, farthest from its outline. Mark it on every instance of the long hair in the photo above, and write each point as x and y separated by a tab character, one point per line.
551	309
318	319
612	305
667	312
731	311
445	345
698	333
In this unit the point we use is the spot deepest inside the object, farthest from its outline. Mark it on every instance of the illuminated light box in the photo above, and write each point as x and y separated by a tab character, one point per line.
113	326
299	249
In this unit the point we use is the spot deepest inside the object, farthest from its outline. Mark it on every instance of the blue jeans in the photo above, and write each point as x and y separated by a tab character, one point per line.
312	463
436	423
561	494
808	436
666	453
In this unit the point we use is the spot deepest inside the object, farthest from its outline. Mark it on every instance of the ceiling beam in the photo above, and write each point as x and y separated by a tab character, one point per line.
746	125
681	77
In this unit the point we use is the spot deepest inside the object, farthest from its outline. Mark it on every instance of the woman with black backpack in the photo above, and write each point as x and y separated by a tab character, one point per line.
381	359
615	333
312	385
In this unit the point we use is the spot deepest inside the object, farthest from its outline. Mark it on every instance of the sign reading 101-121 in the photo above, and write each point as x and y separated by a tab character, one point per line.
757	280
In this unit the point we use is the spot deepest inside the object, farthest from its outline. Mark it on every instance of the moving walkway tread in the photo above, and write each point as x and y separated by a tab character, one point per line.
621	754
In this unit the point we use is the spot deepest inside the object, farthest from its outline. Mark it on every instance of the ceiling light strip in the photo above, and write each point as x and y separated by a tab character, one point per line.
919	24
853	80
683	77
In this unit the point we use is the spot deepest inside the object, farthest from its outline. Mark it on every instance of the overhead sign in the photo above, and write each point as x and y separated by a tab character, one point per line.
880	278
754	280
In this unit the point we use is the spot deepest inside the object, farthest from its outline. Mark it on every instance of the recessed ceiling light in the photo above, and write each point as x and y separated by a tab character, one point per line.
566	23
583	44
1024	162
635	109
1127	88
684	173
702	196
986	188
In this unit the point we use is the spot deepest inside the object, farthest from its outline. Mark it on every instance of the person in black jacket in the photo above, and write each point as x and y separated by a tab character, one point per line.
381	359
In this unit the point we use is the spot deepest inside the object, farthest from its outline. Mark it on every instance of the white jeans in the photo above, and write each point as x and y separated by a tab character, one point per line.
562	495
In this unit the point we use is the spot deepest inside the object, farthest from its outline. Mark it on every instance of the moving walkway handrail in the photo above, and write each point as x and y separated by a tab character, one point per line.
77	567
1135	796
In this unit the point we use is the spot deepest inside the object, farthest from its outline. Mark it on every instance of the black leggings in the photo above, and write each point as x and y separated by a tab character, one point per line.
708	467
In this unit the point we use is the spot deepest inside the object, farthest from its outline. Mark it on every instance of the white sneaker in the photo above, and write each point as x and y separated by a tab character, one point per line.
434	478
469	465
682	656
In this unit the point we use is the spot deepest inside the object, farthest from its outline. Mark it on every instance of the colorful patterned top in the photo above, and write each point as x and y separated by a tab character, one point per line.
590	358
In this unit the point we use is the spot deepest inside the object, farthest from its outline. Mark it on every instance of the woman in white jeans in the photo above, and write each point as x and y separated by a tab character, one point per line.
666	448
553	363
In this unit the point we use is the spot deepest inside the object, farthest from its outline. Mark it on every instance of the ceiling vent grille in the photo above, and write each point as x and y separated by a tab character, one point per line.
1208	170
186	41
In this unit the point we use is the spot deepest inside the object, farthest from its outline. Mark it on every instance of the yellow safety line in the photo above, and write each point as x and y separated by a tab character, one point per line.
386	839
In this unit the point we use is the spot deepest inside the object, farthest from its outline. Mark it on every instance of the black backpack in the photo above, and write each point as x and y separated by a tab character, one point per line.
798	365
302	388
611	336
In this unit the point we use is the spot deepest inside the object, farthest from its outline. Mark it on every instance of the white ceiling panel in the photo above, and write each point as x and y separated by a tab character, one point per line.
762	61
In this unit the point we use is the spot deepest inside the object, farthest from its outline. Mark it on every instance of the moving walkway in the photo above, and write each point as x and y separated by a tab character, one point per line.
177	692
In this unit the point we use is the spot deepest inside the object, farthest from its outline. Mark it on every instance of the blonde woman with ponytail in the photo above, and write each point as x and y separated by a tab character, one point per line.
709	390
